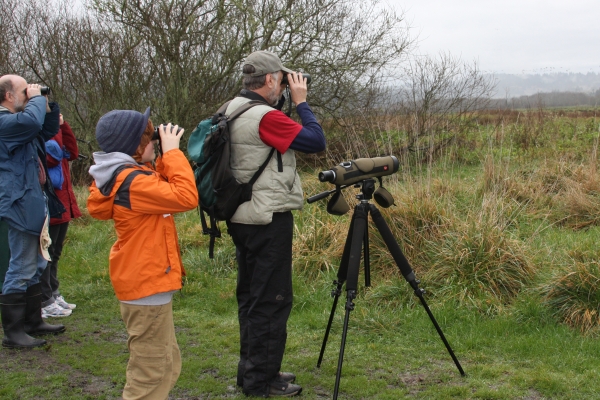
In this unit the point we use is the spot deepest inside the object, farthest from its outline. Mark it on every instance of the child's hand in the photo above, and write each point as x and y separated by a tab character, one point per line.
169	136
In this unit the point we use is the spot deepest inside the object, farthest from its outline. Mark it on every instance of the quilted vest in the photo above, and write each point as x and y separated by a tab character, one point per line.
278	189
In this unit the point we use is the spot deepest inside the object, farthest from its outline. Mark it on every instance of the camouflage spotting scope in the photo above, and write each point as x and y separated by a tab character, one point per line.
350	172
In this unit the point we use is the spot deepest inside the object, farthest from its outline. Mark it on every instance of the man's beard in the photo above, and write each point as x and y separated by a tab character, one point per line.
272	97
19	106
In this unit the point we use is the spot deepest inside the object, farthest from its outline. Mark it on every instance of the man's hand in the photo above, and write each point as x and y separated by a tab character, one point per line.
169	136
298	87
33	89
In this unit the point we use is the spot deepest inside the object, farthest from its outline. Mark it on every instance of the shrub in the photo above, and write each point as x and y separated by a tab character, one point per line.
478	263
574	297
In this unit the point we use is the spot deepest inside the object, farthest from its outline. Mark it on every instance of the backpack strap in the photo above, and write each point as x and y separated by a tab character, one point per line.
242	109
213	230
262	168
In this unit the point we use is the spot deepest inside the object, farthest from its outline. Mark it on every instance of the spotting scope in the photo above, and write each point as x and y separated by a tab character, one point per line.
353	171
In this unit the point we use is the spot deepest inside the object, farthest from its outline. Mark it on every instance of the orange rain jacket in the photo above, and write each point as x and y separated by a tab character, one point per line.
146	259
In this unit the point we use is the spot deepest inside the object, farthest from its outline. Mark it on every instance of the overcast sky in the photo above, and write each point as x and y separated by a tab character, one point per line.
510	36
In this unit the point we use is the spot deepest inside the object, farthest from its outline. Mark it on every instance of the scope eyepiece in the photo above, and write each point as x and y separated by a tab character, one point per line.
327	176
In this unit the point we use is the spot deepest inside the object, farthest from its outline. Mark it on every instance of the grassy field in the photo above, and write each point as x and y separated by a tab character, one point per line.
502	230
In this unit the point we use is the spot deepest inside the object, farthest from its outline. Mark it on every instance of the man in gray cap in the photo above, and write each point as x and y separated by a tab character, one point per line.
262	228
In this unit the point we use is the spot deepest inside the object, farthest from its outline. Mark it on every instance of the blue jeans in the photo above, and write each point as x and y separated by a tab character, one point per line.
26	263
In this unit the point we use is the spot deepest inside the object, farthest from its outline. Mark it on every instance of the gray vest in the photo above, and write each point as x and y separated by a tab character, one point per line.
275	190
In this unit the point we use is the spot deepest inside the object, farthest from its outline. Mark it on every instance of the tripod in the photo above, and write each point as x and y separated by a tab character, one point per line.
357	239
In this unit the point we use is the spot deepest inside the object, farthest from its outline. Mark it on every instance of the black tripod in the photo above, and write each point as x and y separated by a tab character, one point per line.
357	239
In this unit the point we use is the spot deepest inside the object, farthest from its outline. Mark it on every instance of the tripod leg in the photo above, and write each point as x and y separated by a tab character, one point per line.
439	331
349	307
360	225
408	273
366	258
336	295
342	274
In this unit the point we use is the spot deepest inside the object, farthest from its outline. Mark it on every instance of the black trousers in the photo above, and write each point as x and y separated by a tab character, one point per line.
49	278
264	295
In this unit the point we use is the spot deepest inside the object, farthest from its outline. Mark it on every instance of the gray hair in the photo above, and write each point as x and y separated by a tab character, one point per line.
254	82
6	86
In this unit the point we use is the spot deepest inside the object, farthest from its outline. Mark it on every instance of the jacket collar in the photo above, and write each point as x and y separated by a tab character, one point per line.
249	94
4	109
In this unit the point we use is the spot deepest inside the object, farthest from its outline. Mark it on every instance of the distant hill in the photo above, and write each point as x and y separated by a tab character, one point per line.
516	85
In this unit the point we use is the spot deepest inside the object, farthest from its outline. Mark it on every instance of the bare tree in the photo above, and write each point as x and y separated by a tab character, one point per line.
196	47
183	57
438	95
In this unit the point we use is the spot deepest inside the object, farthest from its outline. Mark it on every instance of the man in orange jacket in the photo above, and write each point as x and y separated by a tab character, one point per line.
145	262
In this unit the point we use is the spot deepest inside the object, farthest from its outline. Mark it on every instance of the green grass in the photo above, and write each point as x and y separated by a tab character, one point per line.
502	231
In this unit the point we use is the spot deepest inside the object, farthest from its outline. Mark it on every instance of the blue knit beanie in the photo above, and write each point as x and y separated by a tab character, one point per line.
121	130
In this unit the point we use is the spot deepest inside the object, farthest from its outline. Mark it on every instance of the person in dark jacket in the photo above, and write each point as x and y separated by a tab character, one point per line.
27	120
53	303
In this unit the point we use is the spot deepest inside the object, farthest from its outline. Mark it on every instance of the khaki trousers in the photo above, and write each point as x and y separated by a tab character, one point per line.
154	359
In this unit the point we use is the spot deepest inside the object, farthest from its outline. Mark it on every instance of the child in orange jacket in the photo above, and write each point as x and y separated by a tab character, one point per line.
145	262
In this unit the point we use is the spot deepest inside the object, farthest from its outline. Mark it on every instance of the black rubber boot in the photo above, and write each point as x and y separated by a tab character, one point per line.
34	323
13	307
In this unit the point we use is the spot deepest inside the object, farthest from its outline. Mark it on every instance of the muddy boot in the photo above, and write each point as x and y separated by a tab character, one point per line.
13	307
34	324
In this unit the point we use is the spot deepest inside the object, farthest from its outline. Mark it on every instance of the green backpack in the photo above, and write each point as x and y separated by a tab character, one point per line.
209	146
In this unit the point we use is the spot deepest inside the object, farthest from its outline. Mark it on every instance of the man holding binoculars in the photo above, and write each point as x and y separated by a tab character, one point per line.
262	228
27	120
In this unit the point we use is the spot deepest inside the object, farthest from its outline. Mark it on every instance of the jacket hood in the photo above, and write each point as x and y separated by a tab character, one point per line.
105	171
107	164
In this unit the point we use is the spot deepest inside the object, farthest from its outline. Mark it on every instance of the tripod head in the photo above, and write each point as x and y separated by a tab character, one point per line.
337	205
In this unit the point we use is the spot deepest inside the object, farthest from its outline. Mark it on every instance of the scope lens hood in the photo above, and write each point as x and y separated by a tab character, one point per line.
337	205
383	197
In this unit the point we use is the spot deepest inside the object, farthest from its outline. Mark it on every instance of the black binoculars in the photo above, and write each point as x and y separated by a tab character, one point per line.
284	81
156	135
45	90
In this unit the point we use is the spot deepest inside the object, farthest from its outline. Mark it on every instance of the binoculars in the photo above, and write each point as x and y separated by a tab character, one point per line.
304	74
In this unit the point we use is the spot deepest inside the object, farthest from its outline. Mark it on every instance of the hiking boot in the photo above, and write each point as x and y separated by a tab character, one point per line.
287	377
283	389
67	306
54	310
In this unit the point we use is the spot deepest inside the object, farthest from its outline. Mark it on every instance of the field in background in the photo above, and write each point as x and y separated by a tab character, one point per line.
500	225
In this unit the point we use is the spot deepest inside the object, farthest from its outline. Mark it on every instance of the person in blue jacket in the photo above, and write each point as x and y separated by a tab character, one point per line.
27	120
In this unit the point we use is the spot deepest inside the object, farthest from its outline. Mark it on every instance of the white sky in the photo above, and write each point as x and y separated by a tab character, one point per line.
509	36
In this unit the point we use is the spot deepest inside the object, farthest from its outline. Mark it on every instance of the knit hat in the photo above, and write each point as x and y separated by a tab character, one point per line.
121	130
265	62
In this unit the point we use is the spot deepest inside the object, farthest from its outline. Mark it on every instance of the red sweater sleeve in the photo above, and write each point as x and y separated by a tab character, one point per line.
278	130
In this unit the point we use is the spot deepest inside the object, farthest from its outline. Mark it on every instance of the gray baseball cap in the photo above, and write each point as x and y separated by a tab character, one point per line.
265	62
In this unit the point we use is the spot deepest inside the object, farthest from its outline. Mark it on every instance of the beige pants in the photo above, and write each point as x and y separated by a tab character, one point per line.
154	358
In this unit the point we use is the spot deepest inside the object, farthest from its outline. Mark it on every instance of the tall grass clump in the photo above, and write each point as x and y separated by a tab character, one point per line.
479	262
419	216
578	204
574	297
